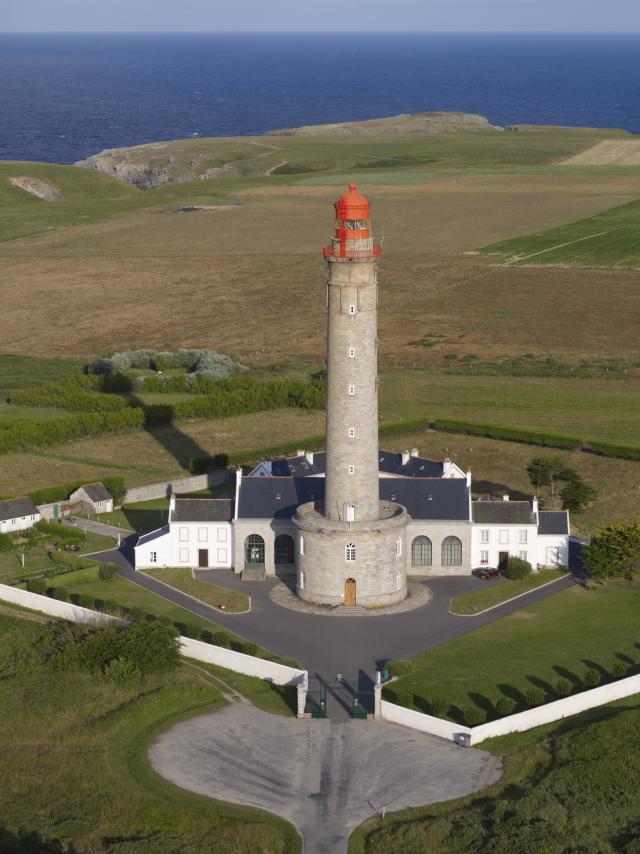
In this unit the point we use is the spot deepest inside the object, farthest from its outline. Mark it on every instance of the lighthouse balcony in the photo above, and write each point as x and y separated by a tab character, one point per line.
364	249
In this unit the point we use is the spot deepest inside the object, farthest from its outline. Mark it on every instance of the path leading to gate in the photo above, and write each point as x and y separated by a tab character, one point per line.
327	645
325	777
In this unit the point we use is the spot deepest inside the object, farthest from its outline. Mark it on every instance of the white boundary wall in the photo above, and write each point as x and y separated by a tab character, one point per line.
279	674
520	722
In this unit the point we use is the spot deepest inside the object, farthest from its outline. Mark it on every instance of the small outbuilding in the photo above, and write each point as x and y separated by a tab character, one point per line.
95	498
17	514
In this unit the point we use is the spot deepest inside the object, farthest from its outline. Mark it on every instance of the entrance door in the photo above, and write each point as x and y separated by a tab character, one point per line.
503	560
350	591
203	558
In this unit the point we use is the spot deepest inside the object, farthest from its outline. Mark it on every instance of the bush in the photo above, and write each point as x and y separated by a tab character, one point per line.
577	494
249	648
518	569
199	465
221	639
37	585
592	678
404	698
136	615
535	697
61	593
122	671
439	707
192	630
505	706
107	571
400	667
563	687
6	543
619	670
206	636
86	601
114	484
473	716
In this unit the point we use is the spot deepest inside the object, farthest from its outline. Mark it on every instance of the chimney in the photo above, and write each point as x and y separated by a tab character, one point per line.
300	452
406	456
238	482
534	507
446	467
172	504
469	479
414	452
309	456
505	497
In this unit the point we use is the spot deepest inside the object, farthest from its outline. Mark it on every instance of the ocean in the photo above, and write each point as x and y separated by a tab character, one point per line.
66	96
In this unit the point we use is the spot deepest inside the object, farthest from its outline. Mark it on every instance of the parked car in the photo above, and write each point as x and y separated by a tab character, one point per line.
486	572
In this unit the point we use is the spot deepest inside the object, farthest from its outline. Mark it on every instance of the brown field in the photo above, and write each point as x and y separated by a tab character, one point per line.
608	152
249	281
500	467
144	457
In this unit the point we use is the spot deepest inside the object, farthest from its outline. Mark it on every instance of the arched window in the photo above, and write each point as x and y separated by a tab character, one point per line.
254	549
451	552
283	549
350	552
421	552
398	581
302	544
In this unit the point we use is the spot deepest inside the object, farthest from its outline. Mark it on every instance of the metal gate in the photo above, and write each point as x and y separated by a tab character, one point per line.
316	704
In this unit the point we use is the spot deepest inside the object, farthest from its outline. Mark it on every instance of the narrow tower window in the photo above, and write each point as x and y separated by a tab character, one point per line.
352	432
301	544
352	469
352	390
350	552
352	309
351	513
398	546
352	352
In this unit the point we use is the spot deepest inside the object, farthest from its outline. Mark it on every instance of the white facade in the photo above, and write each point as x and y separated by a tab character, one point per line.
19	523
491	542
99	505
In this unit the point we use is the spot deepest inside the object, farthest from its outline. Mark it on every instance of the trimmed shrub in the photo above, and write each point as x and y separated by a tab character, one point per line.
6	543
505	706
619	670
518	569
112	607
60	593
136	615
608	449
249	648
400	667
37	585
473	716
510	434
115	485
535	697
439	707
86	601
192	630
406	425
404	698
206	636
221	639
563	688
592	678
107	571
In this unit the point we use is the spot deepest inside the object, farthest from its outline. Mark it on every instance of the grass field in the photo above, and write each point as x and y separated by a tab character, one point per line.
182	579
18	372
586	408
78	771
36	560
559	638
11	412
488	597
609	239
571	786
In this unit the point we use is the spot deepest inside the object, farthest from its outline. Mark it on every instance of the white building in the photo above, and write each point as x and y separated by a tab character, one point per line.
17	514
198	534
502	529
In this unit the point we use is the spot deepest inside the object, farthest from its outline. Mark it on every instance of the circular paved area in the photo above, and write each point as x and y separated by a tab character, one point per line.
419	594
325	777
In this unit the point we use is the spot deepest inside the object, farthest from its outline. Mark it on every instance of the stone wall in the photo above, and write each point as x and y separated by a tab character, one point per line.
437	531
176	487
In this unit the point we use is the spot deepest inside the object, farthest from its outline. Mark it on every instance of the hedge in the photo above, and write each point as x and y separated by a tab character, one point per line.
114	484
78	392
509	434
27	435
607	449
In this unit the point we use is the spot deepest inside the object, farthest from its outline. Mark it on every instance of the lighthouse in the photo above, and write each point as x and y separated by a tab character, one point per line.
351	546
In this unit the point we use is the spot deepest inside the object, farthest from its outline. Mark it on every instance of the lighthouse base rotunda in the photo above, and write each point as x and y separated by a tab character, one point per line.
351	563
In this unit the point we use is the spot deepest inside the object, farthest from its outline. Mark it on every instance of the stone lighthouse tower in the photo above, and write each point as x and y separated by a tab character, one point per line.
351	547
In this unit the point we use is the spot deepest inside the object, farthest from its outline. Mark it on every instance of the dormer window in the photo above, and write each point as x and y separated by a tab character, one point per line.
429	497
278	496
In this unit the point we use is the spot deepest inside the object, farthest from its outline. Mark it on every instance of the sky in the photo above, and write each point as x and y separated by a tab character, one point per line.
320	15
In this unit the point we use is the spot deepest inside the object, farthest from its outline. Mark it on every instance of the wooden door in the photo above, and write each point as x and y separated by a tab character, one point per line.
203	558
350	591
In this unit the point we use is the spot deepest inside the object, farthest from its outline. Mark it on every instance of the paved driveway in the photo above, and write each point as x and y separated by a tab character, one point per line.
325	777
327	645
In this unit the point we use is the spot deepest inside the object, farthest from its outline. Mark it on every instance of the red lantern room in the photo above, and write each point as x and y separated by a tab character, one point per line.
353	228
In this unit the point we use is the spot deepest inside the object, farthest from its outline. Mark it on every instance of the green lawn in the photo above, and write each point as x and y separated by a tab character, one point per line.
36	560
609	239
274	699
182	579
18	372
586	408
486	597
573	786
141	516
559	638
75	767
11	412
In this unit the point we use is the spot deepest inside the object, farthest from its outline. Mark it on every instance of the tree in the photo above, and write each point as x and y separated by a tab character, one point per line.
577	494
545	472
614	551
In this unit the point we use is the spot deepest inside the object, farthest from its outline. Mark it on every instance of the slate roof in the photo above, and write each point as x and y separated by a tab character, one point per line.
16	508
389	462
279	497
553	522
503	513
97	491
152	535
203	510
